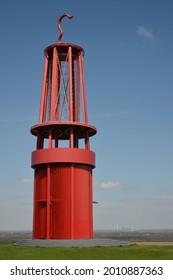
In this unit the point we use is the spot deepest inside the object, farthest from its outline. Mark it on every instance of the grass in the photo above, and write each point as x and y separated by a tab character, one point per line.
132	252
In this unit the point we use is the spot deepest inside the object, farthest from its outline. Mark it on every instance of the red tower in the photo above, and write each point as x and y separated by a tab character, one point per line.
63	161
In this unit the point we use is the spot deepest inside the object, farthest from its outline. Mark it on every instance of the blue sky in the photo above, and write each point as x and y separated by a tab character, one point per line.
128	75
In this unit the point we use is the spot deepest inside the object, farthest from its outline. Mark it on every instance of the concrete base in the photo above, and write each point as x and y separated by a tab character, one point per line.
72	243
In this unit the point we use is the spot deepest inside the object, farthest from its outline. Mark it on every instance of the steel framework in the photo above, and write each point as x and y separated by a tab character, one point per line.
63	161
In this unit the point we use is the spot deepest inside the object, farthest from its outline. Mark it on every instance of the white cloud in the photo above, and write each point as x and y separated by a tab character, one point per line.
108	185
112	114
165	198
25	181
144	32
7	199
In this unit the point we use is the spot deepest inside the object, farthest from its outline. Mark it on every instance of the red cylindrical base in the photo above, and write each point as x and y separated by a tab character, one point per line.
63	201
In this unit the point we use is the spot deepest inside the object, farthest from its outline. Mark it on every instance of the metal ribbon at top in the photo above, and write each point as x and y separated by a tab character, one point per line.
59	25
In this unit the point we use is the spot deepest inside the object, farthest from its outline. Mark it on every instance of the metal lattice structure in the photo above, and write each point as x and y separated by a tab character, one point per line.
62	168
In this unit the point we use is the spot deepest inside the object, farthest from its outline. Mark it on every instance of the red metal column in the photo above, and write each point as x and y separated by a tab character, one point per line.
84	106
48	224
63	170
44	92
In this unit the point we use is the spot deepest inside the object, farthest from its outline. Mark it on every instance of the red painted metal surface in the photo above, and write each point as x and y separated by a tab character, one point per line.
63	161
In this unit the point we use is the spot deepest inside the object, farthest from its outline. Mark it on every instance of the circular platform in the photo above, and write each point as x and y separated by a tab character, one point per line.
72	243
62	129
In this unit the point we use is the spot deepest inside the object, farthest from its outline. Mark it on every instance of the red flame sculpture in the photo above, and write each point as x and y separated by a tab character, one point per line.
63	161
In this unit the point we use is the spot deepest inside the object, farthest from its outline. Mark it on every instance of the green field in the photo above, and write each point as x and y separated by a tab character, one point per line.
132	252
